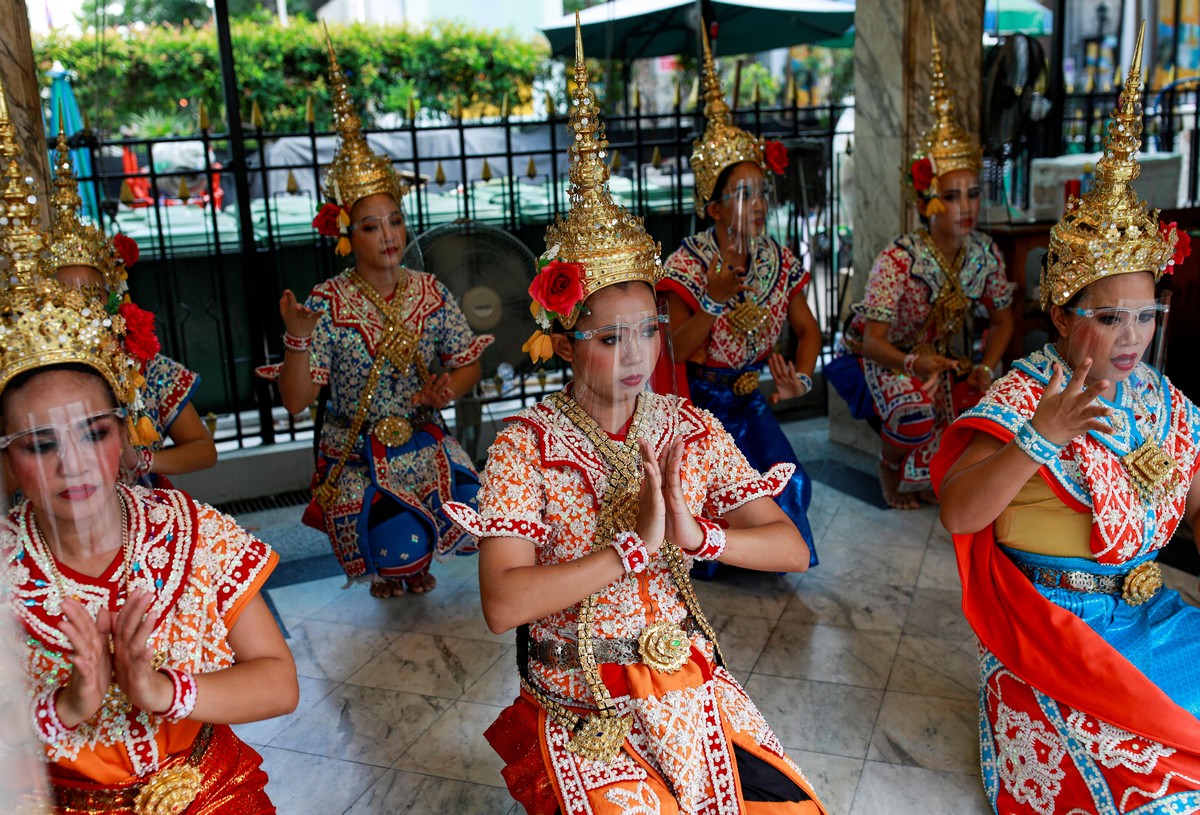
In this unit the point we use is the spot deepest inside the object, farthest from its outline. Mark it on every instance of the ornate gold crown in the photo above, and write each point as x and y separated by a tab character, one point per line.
21	242
723	144
357	171
1109	231
42	322
72	242
610	244
946	144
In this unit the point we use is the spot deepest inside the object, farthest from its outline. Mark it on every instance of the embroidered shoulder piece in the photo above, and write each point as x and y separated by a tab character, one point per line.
480	527
472	352
769	485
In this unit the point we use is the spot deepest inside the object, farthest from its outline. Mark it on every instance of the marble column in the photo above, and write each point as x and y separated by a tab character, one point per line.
20	77
891	110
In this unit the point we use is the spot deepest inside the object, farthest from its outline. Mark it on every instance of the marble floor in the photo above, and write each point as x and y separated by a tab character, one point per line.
864	666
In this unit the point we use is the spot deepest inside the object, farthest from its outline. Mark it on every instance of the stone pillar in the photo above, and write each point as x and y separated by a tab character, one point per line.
891	109
21	86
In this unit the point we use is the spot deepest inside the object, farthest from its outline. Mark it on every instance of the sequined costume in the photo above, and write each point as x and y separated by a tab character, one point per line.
690	729
385	520
1087	701
777	276
204	569
904	283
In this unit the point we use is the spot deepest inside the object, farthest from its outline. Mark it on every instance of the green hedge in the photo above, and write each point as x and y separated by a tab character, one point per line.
125	73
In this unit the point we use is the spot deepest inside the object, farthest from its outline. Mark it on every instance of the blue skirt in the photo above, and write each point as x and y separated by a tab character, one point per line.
757	433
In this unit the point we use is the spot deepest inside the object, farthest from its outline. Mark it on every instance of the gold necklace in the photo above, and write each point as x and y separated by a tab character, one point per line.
1151	469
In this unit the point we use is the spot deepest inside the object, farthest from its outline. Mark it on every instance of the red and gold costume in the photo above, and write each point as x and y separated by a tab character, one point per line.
204	569
626	705
1089	691
543	482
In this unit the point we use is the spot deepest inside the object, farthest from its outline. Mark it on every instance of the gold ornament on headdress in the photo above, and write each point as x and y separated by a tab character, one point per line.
946	145
357	171
72	242
22	243
1109	231
601	239
723	144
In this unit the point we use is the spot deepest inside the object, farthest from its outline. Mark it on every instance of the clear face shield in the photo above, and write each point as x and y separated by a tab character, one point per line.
66	460
1117	335
619	357
749	213
389	235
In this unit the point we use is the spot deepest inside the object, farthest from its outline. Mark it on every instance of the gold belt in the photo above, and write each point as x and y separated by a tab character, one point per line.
655	647
170	790
1134	587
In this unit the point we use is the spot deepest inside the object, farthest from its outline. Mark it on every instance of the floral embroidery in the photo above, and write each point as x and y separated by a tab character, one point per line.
1114	747
1030	756
641	800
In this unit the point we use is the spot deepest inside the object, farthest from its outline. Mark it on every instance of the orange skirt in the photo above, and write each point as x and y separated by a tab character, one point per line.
233	783
546	779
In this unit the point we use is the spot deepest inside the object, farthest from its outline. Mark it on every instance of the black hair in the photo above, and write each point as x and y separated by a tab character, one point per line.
25	377
718	190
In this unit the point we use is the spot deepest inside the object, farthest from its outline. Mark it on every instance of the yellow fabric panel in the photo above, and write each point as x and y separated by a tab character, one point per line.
1038	521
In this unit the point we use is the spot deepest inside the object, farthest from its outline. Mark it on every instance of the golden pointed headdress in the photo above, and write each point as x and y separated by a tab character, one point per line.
42	322
603	240
72	242
21	240
723	143
357	171
946	144
1109	231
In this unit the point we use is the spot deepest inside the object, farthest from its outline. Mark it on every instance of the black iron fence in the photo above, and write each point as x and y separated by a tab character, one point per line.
213	274
217	249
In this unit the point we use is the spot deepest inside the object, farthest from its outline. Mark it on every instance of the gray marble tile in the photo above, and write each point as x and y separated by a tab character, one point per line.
742	640
817	716
1183	583
867	606
311	692
834	778
854	561
454	747
939	570
457	572
397	792
499	684
428	664
888	789
937	613
355	606
300	782
460	615
933	666
736	592
325	650
366	725
301	599
859	521
927	731
826	653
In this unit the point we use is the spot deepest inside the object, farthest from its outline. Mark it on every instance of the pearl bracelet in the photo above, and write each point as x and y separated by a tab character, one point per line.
183	699
714	540
711	306
1036	446
632	550
910	364
46	724
806	381
299	344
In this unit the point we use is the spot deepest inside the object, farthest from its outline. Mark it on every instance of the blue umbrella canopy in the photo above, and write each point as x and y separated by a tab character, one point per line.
1017	17
635	29
65	113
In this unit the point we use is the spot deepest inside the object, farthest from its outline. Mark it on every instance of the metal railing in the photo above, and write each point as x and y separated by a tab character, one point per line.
213	275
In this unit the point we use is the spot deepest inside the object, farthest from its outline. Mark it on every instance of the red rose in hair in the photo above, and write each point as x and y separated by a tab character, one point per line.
140	340
1183	244
326	221
127	249
558	287
922	174
776	157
